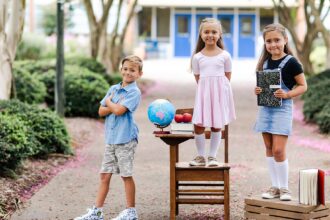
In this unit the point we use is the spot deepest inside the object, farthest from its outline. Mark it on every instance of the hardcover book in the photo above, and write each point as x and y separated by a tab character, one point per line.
182	128
311	187
269	81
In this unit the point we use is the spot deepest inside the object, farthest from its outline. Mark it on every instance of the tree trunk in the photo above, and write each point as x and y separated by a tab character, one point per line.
11	29
117	40
97	28
104	51
5	76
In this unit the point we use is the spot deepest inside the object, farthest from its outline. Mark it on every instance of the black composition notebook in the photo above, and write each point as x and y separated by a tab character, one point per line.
269	81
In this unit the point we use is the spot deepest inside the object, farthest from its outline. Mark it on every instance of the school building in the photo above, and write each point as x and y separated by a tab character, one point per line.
170	28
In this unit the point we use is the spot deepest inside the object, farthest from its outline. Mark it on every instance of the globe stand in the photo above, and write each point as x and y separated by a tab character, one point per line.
161	130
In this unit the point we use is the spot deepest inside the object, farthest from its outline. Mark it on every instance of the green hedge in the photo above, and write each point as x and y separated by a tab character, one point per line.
83	87
317	99
44	130
29	89
87	62
83	90
14	142
323	119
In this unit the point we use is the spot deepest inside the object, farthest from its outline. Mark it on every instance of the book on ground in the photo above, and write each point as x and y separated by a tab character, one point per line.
182	128
269	81
311	187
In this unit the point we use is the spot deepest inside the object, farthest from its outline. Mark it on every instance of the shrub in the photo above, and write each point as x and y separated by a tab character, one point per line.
48	78
317	95
319	77
14	142
30	47
45	129
35	66
87	62
83	90
29	89
315	99
323	119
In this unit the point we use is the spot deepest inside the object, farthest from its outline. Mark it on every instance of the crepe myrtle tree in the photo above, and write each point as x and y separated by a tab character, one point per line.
315	13
12	14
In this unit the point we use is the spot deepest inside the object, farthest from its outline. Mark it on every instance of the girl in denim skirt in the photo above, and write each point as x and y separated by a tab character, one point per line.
275	123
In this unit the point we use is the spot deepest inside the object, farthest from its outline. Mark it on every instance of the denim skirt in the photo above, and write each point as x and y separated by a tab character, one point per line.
275	120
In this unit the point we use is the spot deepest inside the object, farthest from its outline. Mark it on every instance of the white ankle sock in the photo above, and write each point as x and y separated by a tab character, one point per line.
200	144
215	143
272	171
282	170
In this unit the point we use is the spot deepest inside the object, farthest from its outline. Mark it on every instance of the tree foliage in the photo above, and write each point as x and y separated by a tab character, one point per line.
314	15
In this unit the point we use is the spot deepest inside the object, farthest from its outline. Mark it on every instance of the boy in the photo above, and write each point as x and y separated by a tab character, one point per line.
121	134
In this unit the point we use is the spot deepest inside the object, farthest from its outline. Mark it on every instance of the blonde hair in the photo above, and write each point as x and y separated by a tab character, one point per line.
134	59
265	54
200	43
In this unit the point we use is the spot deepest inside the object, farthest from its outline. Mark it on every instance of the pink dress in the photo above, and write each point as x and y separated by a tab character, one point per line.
214	102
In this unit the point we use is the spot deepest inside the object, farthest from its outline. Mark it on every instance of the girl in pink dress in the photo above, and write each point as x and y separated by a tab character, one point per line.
214	103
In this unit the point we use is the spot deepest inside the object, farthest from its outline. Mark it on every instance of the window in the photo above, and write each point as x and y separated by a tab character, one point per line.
246	26
226	26
163	22
182	25
144	17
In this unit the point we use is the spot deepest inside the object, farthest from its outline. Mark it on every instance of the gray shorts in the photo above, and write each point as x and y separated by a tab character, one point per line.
118	158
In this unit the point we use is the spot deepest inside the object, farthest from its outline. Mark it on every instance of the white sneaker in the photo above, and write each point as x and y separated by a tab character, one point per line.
127	214
212	162
92	214
285	194
197	161
272	193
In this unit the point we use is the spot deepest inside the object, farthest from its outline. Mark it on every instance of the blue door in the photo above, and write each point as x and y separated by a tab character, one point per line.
182	35
199	19
227	23
246	37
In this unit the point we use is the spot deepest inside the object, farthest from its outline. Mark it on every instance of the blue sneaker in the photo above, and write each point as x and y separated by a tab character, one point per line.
127	214
92	214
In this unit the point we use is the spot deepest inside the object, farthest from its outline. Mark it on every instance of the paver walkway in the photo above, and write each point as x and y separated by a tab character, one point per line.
74	189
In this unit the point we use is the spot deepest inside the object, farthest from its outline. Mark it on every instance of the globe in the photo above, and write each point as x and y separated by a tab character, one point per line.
161	112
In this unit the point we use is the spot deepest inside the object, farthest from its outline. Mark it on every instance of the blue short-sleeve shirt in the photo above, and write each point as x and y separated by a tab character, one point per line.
122	129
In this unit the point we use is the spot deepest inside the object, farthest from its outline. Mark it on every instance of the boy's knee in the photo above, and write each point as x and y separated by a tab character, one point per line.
127	178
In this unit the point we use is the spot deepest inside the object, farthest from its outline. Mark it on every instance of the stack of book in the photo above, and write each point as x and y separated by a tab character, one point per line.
182	128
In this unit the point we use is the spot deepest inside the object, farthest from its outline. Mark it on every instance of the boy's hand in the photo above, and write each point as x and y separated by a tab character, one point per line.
257	90
108	100
280	93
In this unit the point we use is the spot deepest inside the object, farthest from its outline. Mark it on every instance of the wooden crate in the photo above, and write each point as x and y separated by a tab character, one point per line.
274	209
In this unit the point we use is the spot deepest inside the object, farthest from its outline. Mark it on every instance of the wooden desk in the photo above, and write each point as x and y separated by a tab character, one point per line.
173	140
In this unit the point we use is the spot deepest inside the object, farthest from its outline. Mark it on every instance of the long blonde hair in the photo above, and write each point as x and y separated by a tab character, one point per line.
265	54
200	43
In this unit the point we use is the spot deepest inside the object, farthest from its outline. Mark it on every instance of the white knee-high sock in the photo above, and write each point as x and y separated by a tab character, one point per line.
272	172
282	170
200	144
215	143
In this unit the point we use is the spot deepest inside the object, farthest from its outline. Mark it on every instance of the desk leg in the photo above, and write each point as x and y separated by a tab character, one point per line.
226	195
176	182
173	183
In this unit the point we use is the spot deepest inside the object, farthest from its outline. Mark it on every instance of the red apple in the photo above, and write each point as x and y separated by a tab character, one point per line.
178	118
187	117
